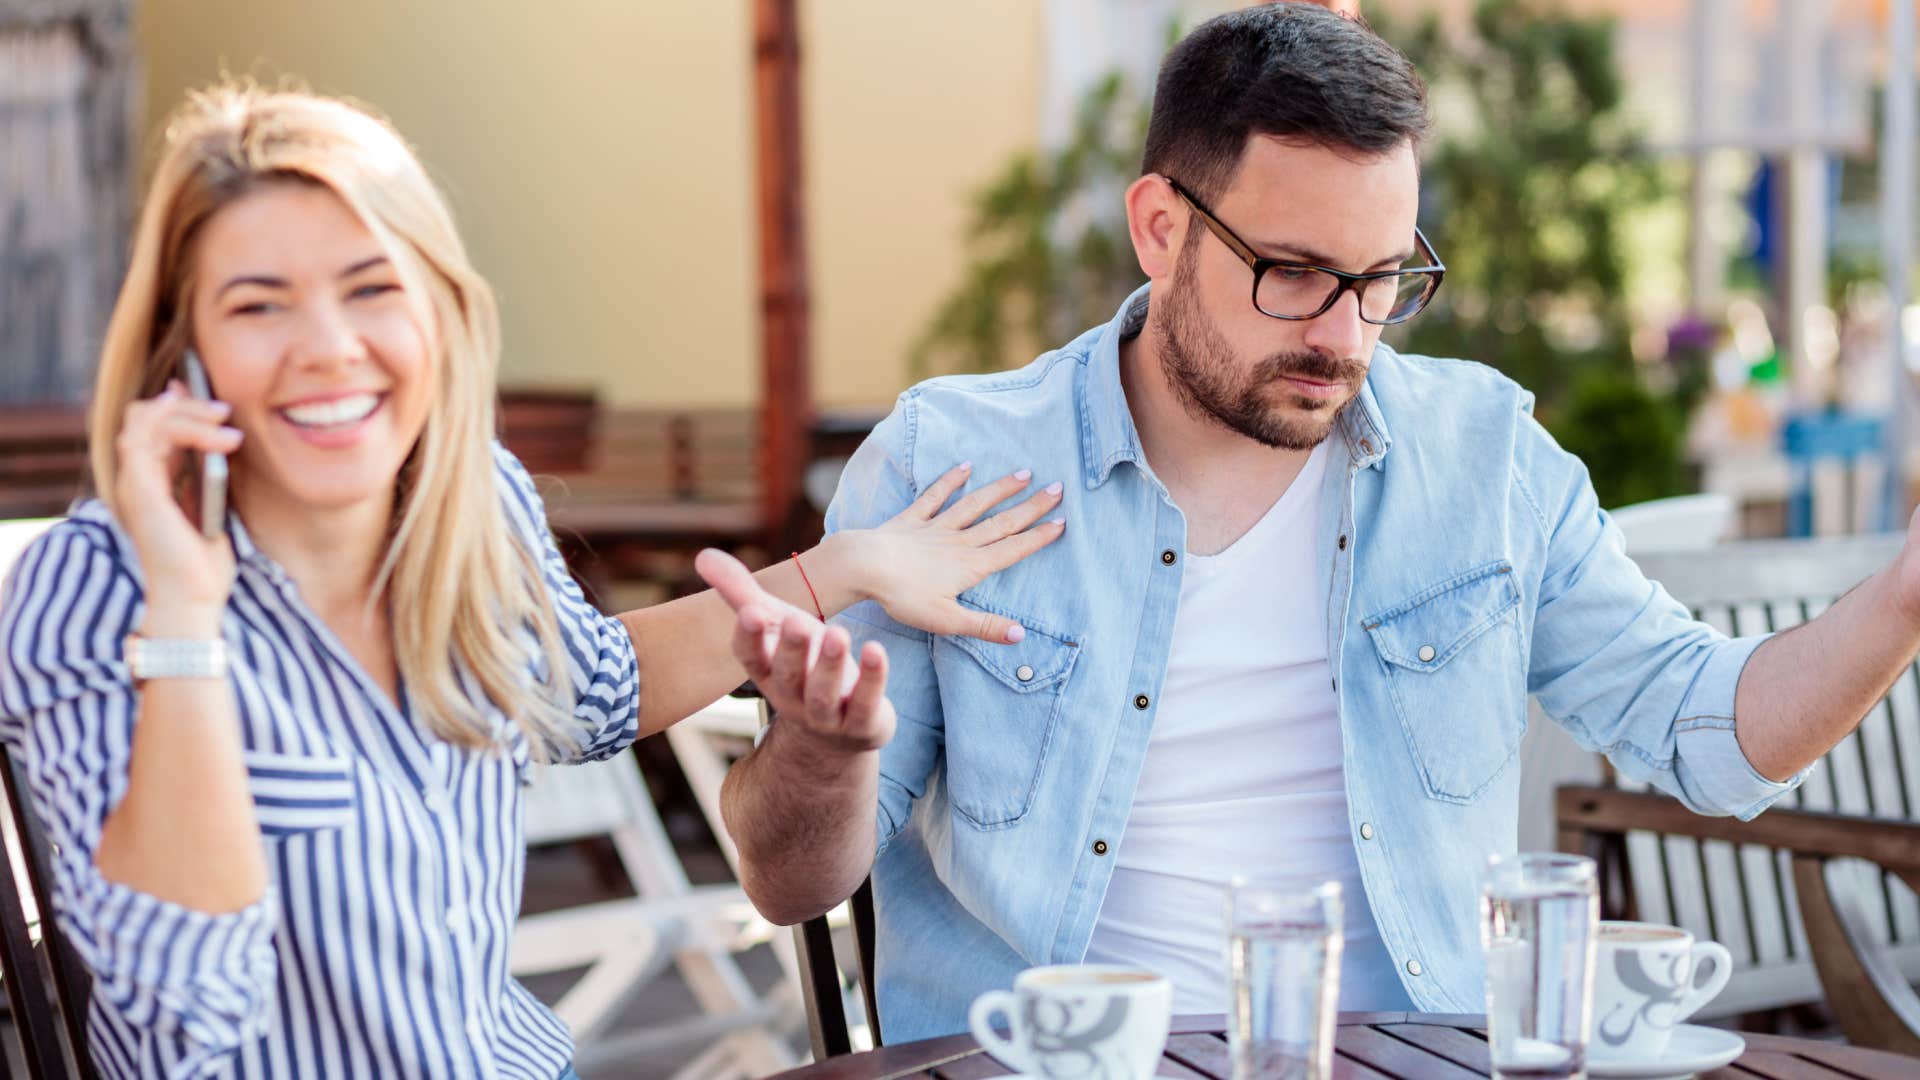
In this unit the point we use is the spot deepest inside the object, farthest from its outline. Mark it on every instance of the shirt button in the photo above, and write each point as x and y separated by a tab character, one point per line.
1366	830
1167	557
1413	968
1023	673
1099	847
1343	542
1426	654
1366	446
1141	701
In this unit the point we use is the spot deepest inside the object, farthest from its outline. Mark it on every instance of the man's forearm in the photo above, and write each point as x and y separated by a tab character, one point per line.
1804	690
804	822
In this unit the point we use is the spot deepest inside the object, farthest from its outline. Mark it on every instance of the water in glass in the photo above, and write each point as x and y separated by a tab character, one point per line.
1283	957
1539	915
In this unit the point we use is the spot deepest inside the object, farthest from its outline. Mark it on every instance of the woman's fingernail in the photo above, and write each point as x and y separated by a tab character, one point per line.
1055	488
1016	634
966	466
1062	522
221	406
832	646
233	432
1023	475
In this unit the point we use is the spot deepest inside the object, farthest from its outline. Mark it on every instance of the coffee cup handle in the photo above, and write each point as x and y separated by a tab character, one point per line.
979	1017
1716	954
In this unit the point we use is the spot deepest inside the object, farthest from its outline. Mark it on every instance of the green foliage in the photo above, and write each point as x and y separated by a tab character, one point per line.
1629	438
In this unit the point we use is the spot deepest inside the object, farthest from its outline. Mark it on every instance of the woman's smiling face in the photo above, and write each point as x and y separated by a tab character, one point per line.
308	332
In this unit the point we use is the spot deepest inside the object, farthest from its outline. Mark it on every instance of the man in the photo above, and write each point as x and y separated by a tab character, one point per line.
1305	589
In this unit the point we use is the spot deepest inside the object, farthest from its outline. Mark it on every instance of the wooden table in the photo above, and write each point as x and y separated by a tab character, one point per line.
1370	1045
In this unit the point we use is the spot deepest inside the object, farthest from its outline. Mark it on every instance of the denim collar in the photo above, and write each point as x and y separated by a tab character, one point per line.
1107	434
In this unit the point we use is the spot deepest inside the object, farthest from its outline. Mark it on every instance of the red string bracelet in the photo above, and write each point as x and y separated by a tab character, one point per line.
809	584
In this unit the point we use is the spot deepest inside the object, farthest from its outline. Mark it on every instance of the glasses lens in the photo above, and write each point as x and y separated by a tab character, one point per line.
1392	300
1292	292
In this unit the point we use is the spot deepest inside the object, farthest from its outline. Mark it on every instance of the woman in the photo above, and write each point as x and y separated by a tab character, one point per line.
281	768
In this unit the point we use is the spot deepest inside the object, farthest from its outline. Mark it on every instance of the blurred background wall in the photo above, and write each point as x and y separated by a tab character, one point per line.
599	155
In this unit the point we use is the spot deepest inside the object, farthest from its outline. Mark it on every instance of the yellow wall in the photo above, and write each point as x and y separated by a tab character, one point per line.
599	156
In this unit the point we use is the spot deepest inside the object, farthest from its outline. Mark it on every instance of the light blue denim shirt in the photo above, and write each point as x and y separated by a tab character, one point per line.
1467	565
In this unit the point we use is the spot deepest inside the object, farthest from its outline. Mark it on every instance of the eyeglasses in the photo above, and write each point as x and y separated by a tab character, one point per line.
1296	290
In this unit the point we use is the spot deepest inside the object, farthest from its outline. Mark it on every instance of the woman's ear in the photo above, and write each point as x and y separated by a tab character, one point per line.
1154	225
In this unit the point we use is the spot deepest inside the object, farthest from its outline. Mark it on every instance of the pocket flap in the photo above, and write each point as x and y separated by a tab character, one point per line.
299	792
1038	662
1425	632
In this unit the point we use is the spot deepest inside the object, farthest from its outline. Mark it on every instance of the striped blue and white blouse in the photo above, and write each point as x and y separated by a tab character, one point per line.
395	859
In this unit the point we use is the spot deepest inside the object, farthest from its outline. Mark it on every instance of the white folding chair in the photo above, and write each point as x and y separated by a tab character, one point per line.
626	944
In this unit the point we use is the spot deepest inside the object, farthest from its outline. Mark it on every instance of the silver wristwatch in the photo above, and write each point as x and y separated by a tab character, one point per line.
175	658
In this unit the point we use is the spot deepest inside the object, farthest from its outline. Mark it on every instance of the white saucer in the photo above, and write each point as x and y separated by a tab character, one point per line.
1694	1049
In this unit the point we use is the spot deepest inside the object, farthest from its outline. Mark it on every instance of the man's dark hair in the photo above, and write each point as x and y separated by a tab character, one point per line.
1292	70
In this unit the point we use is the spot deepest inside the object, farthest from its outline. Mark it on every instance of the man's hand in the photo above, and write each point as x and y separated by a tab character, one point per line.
801	666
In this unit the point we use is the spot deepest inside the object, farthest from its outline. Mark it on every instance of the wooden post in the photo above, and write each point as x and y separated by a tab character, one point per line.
786	401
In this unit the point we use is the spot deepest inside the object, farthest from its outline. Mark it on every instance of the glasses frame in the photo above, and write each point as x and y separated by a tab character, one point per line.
1434	271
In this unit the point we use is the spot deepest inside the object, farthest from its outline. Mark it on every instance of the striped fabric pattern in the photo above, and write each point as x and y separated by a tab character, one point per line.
396	860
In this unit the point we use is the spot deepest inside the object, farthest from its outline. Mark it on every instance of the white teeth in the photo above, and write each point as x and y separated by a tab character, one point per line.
346	410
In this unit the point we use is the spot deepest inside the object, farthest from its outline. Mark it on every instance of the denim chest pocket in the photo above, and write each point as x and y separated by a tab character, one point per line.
300	793
1456	673
1002	703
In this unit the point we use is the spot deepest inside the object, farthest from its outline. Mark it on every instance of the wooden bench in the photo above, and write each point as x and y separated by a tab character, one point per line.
43	459
1785	892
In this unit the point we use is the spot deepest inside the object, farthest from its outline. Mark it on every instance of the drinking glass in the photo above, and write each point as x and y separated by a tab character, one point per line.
1283	959
1539	914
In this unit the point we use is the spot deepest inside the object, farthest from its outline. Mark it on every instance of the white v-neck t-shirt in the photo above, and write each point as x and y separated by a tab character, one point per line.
1243	772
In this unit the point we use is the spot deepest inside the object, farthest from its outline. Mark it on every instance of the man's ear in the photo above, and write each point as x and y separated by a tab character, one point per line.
1156	224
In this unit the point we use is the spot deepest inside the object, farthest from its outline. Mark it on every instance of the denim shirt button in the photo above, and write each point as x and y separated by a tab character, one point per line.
1167	557
1366	830
1343	541
1023	673
1413	968
1099	847
1141	701
1426	654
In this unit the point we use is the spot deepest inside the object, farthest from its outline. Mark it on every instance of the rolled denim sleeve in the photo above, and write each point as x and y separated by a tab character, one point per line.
201	983
877	484
1620	663
601	667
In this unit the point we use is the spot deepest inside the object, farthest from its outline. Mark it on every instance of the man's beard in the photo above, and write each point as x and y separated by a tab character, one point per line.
1201	368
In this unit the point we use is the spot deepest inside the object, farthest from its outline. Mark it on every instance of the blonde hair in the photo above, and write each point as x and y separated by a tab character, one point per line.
464	590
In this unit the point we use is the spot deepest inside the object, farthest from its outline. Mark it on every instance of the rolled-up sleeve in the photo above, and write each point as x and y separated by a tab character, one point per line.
201	983
1620	663
601	667
876	485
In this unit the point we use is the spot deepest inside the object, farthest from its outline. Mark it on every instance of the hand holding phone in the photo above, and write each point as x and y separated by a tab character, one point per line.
213	466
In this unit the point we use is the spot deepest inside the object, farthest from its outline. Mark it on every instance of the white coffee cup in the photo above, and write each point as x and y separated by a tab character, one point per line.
1078	1020
1647	979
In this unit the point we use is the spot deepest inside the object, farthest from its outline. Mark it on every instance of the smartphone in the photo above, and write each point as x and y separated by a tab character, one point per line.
213	467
